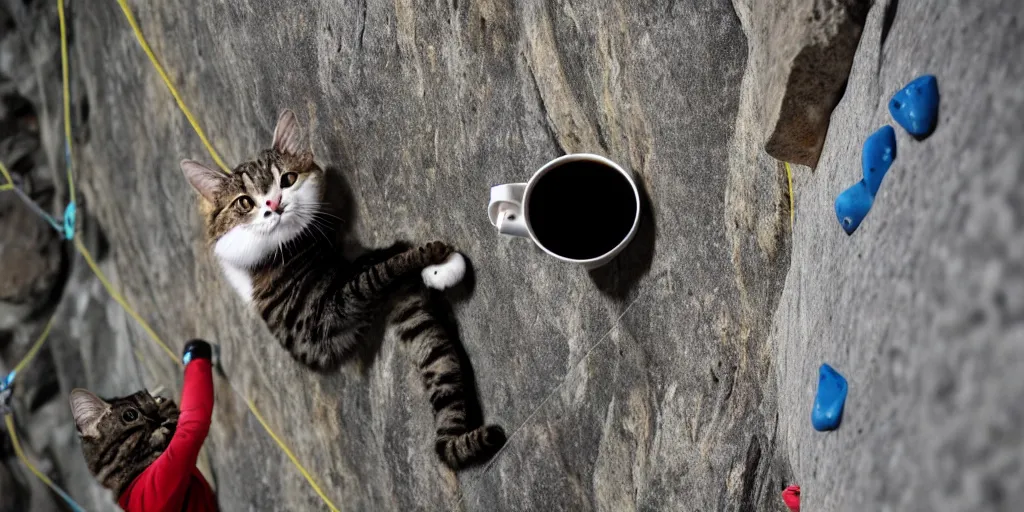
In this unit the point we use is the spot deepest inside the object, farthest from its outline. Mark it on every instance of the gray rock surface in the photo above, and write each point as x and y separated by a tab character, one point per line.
922	308
678	378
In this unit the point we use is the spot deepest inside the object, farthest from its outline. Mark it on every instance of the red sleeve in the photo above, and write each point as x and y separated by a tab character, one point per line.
169	475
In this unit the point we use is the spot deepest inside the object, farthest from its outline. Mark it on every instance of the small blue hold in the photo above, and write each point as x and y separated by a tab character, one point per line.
877	156
828	403
69	221
6	382
853	205
916	106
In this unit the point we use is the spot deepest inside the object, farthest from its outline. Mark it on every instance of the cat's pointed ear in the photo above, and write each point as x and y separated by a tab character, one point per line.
287	134
87	409
206	181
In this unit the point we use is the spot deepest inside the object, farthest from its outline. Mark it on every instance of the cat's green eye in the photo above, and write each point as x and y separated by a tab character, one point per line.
130	415
244	204
288	179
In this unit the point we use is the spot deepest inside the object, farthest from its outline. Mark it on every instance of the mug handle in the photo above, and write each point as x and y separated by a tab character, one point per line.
506	209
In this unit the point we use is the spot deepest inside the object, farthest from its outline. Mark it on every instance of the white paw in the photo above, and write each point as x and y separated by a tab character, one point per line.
446	274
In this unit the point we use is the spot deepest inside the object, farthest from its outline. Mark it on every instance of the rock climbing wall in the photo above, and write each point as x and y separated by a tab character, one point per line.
922	309
678	378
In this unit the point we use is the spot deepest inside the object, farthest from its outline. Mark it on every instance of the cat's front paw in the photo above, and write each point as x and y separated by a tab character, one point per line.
167	408
446	274
435	253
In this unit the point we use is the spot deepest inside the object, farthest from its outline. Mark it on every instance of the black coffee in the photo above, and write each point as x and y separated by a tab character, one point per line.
581	210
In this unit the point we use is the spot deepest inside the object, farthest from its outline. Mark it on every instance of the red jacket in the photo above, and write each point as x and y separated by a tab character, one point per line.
173	483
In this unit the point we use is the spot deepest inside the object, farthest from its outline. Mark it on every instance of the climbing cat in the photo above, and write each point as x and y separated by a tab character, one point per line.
114	451
268	227
144	448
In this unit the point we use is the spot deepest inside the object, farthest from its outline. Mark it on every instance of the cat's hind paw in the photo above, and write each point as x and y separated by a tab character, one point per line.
447	274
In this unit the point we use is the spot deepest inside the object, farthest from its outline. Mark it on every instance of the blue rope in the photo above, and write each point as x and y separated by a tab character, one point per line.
37	210
67	499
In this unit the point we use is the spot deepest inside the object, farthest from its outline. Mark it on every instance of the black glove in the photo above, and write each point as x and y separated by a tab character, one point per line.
196	349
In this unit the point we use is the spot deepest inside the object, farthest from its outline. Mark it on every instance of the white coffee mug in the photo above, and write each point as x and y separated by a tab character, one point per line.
509	208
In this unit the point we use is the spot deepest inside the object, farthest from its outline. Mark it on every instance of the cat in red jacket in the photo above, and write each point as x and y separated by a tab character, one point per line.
144	448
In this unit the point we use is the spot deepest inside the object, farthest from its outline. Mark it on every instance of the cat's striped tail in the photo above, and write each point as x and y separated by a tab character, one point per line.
458	443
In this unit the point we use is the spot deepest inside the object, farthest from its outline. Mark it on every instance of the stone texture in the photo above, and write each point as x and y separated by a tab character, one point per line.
922	309
35	265
34	262
801	53
678	378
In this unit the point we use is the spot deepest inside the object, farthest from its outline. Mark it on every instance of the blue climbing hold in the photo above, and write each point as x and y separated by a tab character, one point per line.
6	382
69	221
877	156
828	404
916	106
853	205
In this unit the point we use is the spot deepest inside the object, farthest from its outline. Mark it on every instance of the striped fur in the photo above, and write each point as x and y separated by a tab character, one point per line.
319	310
440	367
278	253
122	436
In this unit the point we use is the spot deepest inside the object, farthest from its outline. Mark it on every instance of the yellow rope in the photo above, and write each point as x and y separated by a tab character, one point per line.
252	407
21	454
67	96
6	187
309	478
31	354
120	300
7	176
95	268
170	86
8	419
792	209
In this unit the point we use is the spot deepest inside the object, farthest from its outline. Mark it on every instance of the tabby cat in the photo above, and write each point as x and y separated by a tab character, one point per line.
268	227
121	437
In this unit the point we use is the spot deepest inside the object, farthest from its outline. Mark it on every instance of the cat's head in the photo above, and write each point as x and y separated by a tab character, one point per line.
121	437
264	203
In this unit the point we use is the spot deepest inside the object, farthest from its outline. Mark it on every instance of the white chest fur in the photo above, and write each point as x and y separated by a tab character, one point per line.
240	280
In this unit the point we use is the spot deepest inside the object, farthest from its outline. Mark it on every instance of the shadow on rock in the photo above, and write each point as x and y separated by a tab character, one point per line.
464	290
618	278
340	204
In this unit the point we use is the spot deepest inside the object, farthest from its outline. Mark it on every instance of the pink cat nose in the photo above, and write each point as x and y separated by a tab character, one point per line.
274	204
